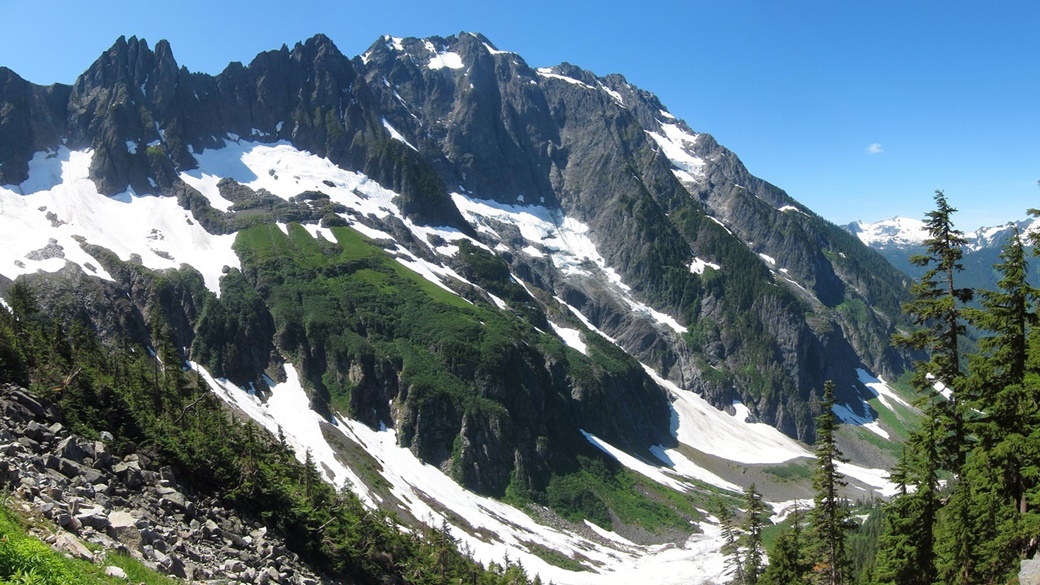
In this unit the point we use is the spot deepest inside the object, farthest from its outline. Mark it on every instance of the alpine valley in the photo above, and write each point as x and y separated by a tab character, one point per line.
528	308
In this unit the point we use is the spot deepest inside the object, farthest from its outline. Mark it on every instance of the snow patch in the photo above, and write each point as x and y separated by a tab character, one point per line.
570	247
704	428
397	135
676	144
698	266
446	59
548	72
59	202
571	337
792	208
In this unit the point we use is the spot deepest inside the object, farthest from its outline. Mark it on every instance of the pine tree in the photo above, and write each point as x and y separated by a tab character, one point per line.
788	562
730	542
829	520
751	539
989	517
906	551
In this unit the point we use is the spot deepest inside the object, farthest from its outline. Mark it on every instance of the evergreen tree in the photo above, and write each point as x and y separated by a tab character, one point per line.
829	520
751	539
730	542
906	552
989	519
788	562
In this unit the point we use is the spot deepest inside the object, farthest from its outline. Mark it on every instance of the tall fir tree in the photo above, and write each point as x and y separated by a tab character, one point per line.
990	518
734	565
830	519
906	552
751	539
789	563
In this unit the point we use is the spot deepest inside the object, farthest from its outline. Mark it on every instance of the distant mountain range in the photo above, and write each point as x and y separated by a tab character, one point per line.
900	238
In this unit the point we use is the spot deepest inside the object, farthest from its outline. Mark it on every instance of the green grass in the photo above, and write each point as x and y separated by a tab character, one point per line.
24	559
555	558
797	470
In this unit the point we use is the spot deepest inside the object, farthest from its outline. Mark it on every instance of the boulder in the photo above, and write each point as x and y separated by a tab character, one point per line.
122	526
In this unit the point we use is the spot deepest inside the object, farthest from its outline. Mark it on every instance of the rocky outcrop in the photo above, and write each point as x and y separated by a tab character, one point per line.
130	504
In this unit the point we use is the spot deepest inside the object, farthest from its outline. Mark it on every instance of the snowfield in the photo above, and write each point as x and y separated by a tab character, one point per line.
45	218
59	202
424	489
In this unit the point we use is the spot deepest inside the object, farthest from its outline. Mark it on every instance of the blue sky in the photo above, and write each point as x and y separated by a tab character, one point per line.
859	110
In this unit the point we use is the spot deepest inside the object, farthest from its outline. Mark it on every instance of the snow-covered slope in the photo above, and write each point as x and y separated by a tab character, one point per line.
895	232
59	203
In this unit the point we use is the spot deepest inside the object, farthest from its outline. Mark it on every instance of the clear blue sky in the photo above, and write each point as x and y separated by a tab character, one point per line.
860	110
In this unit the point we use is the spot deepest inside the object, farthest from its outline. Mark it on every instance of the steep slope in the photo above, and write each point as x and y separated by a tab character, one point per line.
661	204
537	282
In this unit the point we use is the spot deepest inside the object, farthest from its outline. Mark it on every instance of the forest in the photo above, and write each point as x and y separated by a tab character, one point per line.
969	475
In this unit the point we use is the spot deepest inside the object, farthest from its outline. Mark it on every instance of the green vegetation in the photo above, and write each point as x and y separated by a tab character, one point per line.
171	414
26	560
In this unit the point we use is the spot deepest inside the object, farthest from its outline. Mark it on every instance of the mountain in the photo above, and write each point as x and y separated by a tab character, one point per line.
433	266
899	238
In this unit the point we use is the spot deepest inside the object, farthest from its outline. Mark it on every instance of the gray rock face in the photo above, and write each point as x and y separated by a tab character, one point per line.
585	147
152	518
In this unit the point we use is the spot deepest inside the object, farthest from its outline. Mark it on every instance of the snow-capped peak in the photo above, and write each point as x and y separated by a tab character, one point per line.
895	232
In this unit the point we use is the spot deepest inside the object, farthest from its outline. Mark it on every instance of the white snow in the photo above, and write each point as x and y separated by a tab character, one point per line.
131	147
847	415
703	427
156	229
786	208
883	390
716	220
768	258
677	144
494	51
4	304
876	478
446	59
548	72
571	337
641	467
397	135
288	409
665	114
614	560
571	249
682	466
698	266
898	231
617	96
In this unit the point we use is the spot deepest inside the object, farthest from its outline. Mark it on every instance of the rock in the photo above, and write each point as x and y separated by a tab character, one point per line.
106	437
211	530
38	432
67	543
94	518
70	448
114	571
70	468
122	526
129	472
1029	572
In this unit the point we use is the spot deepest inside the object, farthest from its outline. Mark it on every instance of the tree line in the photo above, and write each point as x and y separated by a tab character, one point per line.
969	476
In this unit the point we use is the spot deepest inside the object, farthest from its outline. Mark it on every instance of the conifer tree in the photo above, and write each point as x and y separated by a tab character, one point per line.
730	542
788	562
829	520
751	539
908	555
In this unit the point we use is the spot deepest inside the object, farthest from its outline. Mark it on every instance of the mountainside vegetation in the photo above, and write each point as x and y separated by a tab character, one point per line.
150	404
967	479
787	301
